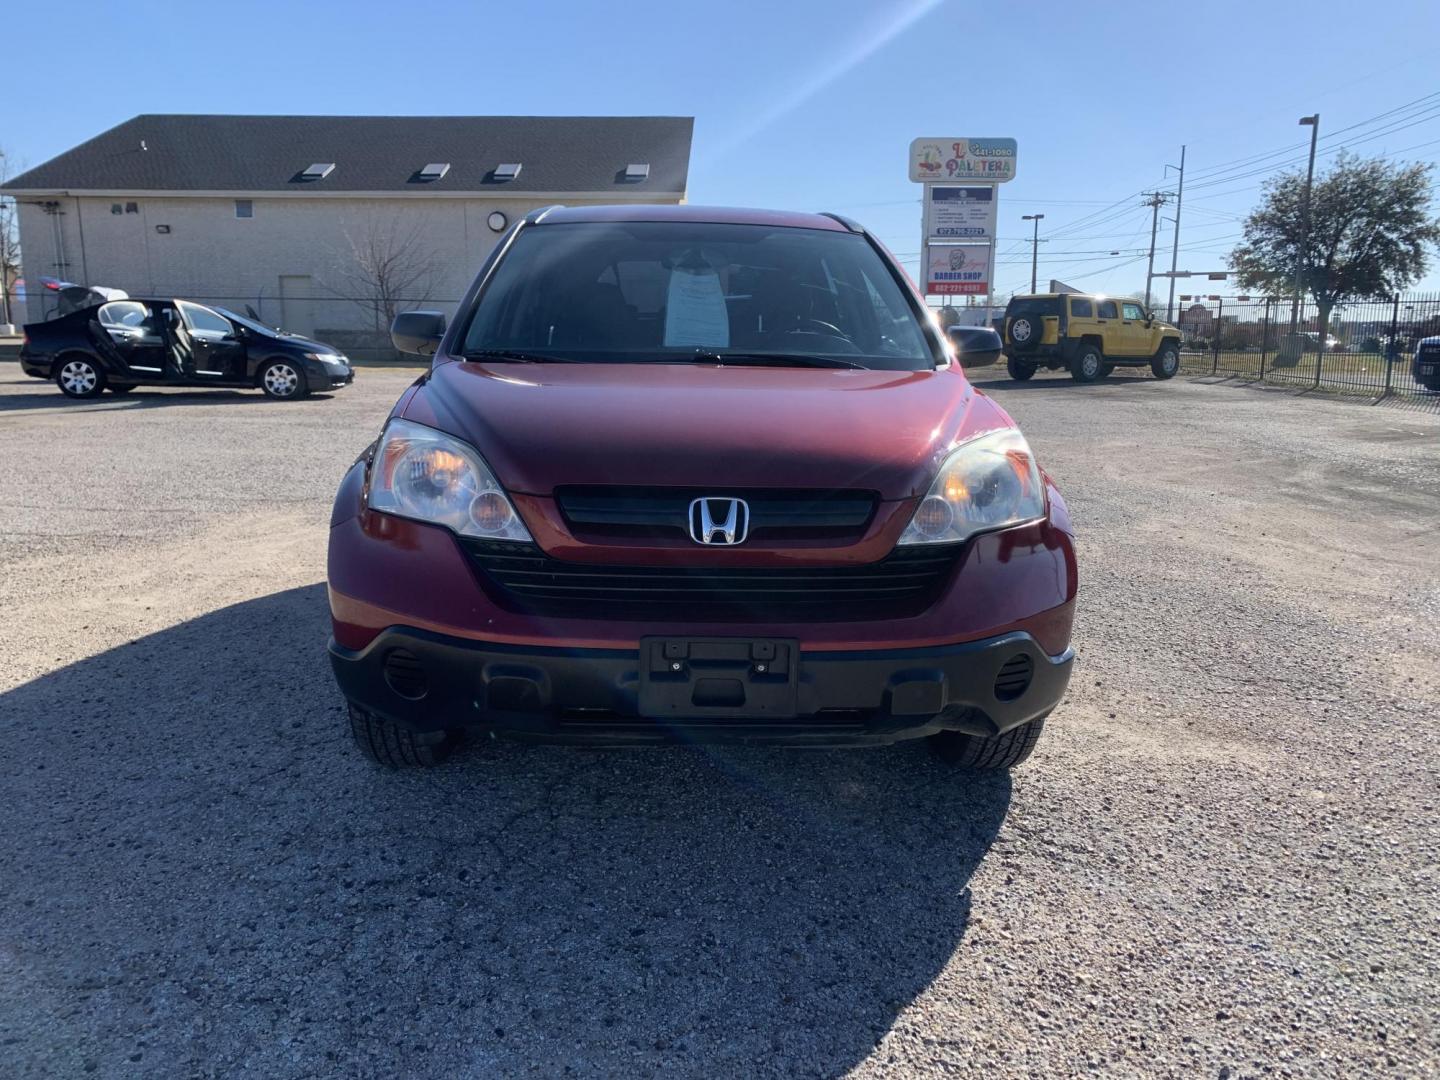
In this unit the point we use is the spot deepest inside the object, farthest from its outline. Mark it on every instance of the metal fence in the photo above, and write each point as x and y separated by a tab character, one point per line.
1367	347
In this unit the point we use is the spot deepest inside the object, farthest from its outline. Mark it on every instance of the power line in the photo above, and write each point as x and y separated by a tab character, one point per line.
1237	164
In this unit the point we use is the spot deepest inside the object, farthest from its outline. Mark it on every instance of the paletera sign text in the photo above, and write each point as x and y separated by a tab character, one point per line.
990	161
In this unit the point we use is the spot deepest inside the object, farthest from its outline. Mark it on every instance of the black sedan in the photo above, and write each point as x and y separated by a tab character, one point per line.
1425	368
122	344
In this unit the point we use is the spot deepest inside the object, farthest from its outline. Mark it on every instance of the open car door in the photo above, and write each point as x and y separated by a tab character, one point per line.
217	347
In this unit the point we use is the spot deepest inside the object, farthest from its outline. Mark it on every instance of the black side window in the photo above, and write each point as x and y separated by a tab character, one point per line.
1108	310
1082	309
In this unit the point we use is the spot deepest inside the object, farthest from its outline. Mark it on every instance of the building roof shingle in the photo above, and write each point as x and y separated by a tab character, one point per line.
168	152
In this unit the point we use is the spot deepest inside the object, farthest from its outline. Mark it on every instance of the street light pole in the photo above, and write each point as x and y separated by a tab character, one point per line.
1313	122
1034	249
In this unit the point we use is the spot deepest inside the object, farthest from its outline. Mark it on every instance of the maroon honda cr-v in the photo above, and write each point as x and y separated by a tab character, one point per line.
697	474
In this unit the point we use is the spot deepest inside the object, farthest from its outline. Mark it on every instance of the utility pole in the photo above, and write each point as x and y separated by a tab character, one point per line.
1156	200
1313	122
1034	248
1175	248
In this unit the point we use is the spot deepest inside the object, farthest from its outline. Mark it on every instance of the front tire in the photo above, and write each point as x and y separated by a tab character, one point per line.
283	380
396	746
80	377
1088	365
1018	369
977	752
1166	362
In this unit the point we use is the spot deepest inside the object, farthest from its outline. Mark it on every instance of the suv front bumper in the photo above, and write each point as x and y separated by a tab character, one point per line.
591	696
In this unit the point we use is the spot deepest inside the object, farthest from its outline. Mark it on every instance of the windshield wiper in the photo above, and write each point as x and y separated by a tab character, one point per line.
778	359
518	355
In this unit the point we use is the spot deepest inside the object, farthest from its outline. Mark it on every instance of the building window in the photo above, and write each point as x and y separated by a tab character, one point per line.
116	208
132	208
244	208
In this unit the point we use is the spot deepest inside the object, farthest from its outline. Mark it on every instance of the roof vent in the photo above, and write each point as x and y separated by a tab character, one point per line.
435	170
507	172
637	171
318	171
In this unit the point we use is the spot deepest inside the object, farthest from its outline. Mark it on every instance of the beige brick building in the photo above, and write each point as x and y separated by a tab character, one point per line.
322	224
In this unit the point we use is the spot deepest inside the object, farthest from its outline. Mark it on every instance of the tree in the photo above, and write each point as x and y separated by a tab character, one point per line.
9	243
1370	231
388	266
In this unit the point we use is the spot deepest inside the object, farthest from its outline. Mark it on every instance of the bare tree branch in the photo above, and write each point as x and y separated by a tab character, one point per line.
9	242
387	266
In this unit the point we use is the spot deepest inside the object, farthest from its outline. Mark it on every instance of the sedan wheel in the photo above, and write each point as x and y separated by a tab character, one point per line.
282	380
79	378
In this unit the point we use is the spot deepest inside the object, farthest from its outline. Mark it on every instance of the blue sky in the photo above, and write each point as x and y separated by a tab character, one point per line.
807	104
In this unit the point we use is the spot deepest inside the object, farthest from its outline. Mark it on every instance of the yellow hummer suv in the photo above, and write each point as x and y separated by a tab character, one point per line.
1088	335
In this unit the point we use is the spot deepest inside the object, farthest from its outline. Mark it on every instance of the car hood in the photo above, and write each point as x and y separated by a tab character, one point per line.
544	425
295	340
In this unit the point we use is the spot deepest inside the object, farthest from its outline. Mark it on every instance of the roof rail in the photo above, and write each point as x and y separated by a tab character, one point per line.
537	216
853	226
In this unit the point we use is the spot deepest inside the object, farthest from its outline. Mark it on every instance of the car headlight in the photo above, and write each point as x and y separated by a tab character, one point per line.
987	483
326	357
424	474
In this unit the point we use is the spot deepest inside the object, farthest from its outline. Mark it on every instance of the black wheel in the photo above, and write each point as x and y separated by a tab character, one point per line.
1087	365
1018	369
1106	370
79	377
396	746
283	380
976	752
120	389
1026	332
1166	362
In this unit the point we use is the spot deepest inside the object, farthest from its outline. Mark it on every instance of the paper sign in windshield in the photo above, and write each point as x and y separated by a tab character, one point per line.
695	310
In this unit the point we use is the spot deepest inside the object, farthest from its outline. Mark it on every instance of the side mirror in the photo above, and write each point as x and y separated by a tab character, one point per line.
418	331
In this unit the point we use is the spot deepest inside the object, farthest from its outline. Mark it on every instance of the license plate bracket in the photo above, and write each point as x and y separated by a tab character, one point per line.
700	677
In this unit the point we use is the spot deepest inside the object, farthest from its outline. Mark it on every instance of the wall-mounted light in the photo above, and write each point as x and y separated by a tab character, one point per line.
497	221
162	229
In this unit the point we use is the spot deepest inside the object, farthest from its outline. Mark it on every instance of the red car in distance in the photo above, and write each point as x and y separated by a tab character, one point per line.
679	473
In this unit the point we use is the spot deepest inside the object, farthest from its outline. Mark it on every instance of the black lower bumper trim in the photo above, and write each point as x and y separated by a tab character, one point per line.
431	681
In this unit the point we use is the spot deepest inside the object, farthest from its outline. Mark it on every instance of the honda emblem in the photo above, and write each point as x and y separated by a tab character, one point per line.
719	522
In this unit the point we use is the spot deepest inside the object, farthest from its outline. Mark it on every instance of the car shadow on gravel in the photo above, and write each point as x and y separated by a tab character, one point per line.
201	875
1060	379
140	399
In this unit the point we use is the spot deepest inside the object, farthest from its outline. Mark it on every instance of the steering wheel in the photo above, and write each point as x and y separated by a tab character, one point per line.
829	329
837	340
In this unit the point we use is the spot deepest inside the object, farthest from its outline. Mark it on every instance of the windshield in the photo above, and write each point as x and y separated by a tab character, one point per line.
632	292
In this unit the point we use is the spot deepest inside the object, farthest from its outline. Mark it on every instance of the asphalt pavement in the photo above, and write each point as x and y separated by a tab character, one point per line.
1221	861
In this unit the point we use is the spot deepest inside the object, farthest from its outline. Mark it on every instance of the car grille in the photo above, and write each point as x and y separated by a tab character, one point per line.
775	514
525	578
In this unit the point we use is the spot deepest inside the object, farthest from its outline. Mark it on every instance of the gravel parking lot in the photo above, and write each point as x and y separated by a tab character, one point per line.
1222	861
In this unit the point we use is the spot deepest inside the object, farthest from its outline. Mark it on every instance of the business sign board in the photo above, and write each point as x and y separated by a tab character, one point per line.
960	213
957	269
987	161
